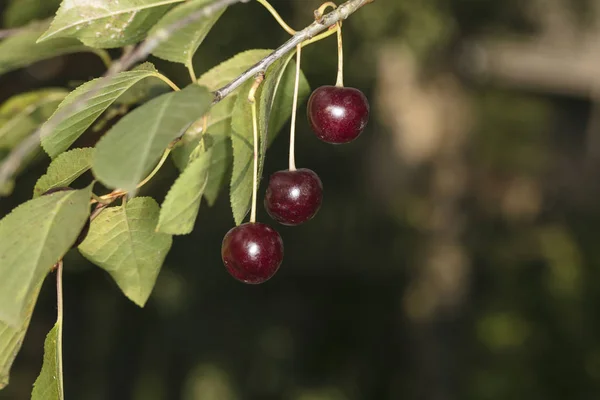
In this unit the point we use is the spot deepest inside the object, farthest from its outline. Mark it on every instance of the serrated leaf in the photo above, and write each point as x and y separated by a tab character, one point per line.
123	241
219	121
106	24
21	49
274	104
179	210
11	338
242	141
134	145
22	114
276	101
182	44
49	383
33	237
64	170
21	12
67	131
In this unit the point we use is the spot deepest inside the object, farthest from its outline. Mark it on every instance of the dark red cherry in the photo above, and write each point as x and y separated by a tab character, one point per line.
252	252
294	197
86	228
337	114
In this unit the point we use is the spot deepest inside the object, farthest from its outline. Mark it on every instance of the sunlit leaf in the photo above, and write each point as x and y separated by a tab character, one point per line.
49	383
21	12
106	24
182	44
232	68
122	240
11	338
64	169
242	141
111	88
134	145
180	208
21	49
33	237
274	104
219	121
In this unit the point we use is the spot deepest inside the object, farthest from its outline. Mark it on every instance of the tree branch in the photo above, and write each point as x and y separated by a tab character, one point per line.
10	166
339	14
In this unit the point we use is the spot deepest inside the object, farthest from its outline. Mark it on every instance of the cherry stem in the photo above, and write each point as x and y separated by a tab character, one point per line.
167	81
191	71
277	17
340	74
292	162
157	168
252	100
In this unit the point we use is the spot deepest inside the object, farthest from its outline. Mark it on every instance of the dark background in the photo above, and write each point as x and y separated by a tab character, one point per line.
456	253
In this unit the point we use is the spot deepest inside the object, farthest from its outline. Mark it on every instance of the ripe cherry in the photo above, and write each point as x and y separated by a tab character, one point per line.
338	114
86	227
294	197
252	252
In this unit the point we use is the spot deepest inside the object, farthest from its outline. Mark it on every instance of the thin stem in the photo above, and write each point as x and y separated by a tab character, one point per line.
277	17
321	10
167	81
321	36
157	168
59	322
292	164
340	74
252	100
191	71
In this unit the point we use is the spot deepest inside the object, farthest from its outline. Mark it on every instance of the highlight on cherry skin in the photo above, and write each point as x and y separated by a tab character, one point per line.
293	197
86	228
252	252
337	114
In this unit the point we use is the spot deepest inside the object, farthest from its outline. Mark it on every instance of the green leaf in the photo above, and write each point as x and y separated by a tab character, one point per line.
276	101
123	241
219	129
180	208
242	141
21	12
21	49
133	146
64	170
106	24
49	384
111	88
182	45
219	121
33	237
11	338
232	68
22	114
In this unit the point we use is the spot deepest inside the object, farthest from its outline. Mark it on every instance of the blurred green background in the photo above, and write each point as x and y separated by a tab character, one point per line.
455	253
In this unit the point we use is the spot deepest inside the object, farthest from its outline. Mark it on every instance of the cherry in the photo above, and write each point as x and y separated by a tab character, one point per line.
252	252
294	197
338	114
86	227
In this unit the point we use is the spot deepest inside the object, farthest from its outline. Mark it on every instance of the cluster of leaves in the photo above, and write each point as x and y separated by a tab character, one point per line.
131	237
